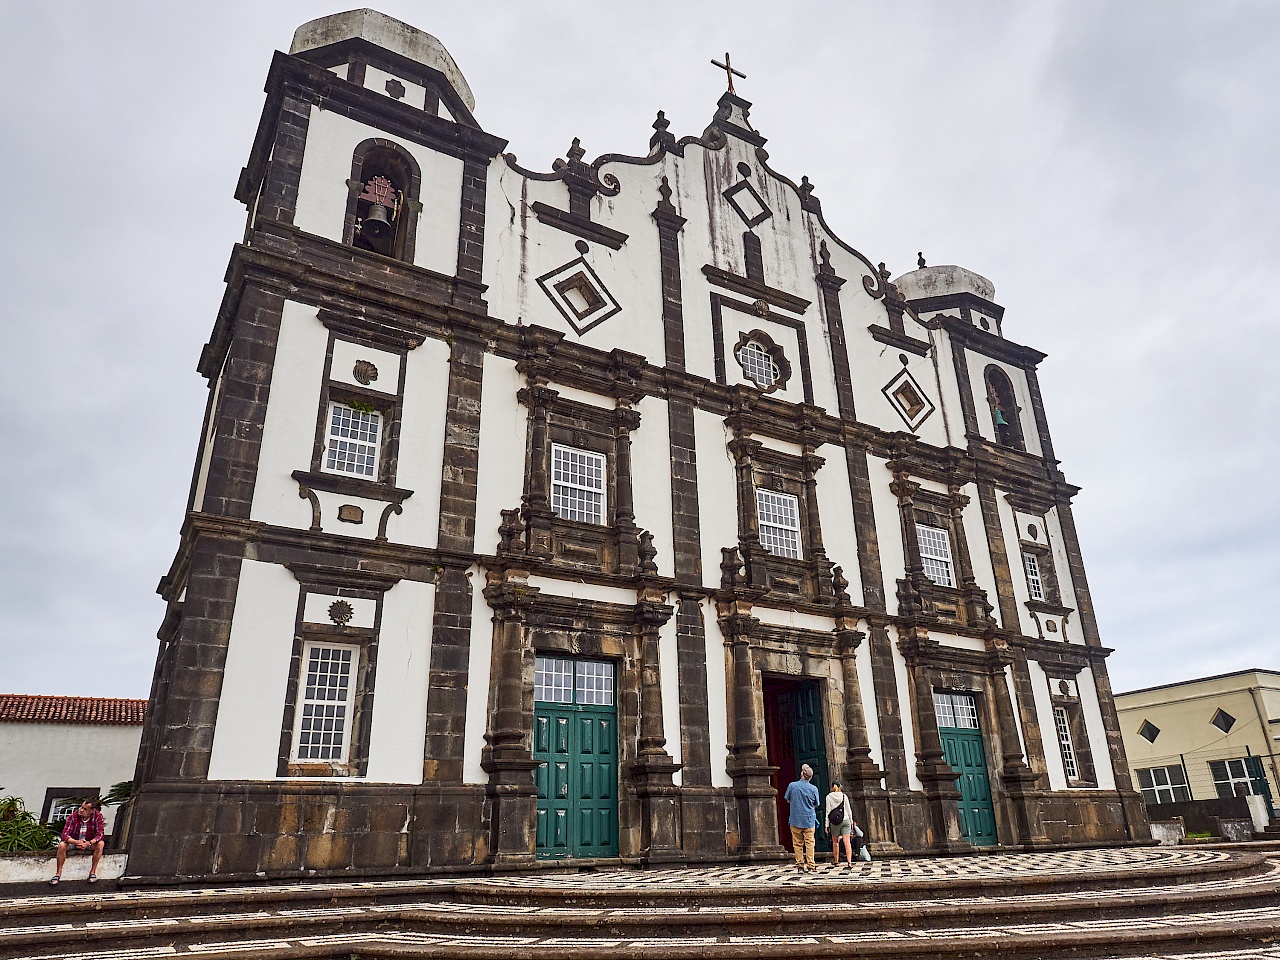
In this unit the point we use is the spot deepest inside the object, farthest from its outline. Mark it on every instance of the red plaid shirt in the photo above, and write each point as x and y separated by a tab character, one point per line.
97	827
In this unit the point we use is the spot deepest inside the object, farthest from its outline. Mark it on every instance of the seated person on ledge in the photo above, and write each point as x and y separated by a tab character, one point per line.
85	831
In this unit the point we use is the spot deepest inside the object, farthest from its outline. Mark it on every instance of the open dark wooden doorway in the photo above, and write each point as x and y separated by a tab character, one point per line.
795	735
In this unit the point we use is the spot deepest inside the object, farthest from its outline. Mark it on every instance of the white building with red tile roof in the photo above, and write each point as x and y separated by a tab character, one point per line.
55	751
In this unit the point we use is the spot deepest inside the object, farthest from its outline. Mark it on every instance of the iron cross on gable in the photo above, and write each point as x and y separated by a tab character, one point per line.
729	72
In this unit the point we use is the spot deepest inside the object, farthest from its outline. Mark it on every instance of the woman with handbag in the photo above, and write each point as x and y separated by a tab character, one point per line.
839	823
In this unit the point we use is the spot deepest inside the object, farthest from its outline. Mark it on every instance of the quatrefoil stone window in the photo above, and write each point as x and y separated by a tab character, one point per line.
762	361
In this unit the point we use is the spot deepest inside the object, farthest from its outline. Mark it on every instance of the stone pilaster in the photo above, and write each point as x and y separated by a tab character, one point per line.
653	768
508	752
1019	783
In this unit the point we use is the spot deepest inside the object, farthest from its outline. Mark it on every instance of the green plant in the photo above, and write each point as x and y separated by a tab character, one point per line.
20	829
120	793
362	406
1198	835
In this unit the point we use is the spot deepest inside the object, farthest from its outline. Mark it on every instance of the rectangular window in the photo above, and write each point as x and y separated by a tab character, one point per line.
577	484
935	553
956	710
1163	785
326	703
352	441
779	515
1062	723
1035	583
573	681
1231	778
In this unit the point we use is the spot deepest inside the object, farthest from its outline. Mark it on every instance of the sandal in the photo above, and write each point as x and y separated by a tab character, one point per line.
55	881
93	878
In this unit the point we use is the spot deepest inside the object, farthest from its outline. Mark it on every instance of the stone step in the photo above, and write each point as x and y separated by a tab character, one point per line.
1219	901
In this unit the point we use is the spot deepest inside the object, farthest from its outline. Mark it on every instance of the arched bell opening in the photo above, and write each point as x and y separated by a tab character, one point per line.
382	207
1004	409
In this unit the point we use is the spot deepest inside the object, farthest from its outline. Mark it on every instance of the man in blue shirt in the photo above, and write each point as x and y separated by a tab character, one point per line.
802	796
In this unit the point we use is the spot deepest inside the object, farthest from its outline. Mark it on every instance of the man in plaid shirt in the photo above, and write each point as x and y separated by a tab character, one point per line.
85	830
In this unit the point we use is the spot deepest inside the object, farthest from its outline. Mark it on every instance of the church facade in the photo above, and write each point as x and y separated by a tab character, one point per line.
562	515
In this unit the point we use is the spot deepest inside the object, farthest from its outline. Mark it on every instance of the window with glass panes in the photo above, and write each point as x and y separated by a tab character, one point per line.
326	701
352	441
757	364
1233	778
779	516
1163	784
577	484
1035	582
556	680
956	710
935	554
1062	724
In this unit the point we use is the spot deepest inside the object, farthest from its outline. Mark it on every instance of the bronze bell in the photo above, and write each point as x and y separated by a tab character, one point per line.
376	225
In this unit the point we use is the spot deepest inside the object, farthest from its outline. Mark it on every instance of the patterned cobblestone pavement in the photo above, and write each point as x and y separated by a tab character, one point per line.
1161	920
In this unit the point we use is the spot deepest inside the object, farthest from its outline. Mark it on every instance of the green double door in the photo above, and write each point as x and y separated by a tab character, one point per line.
575	741
962	744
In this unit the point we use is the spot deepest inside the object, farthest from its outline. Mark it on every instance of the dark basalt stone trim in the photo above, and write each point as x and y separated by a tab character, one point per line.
475	173
369	331
578	226
963	300
359	51
830	285
961	364
988	344
1037	408
1079	584
311	85
718	302
1006	599
745	286
909	344
695	723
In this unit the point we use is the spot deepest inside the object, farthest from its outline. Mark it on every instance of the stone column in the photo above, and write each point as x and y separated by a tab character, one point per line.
651	773
977	609
817	553
915	590
626	420
743	450
750	770
537	496
508	751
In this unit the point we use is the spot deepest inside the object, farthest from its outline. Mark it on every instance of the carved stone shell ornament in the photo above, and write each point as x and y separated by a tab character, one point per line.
365	372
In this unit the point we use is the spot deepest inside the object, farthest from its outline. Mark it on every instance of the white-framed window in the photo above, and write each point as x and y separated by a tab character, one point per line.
552	680
557	680
1035	582
326	703
577	484
779	516
1062	724
1233	778
758	364
956	710
352	441
935	554
1163	784
595	682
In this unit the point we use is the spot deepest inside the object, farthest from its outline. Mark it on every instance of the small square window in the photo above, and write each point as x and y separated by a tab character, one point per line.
352	441
935	554
779	516
1148	731
577	484
1223	720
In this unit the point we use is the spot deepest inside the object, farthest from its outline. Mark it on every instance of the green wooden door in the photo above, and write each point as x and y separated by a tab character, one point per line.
962	744
575	741
810	742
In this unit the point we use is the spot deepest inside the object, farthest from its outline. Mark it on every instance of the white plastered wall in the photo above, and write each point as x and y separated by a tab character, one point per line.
37	756
717	493
868	694
322	188
1062	568
1044	716
397	737
977	366
651	479
907	712
503	429
669	673
426	393
893	558
289	430
1092	711
1017	576
246	736
717	698
479	668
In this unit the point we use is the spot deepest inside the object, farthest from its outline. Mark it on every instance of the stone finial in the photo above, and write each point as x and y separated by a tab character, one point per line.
575	151
920	260
839	585
648	553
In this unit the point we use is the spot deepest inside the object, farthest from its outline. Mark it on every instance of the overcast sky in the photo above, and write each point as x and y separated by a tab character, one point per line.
1110	166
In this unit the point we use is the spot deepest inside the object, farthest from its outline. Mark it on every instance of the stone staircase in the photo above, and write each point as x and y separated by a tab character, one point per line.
1271	832
1121	903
